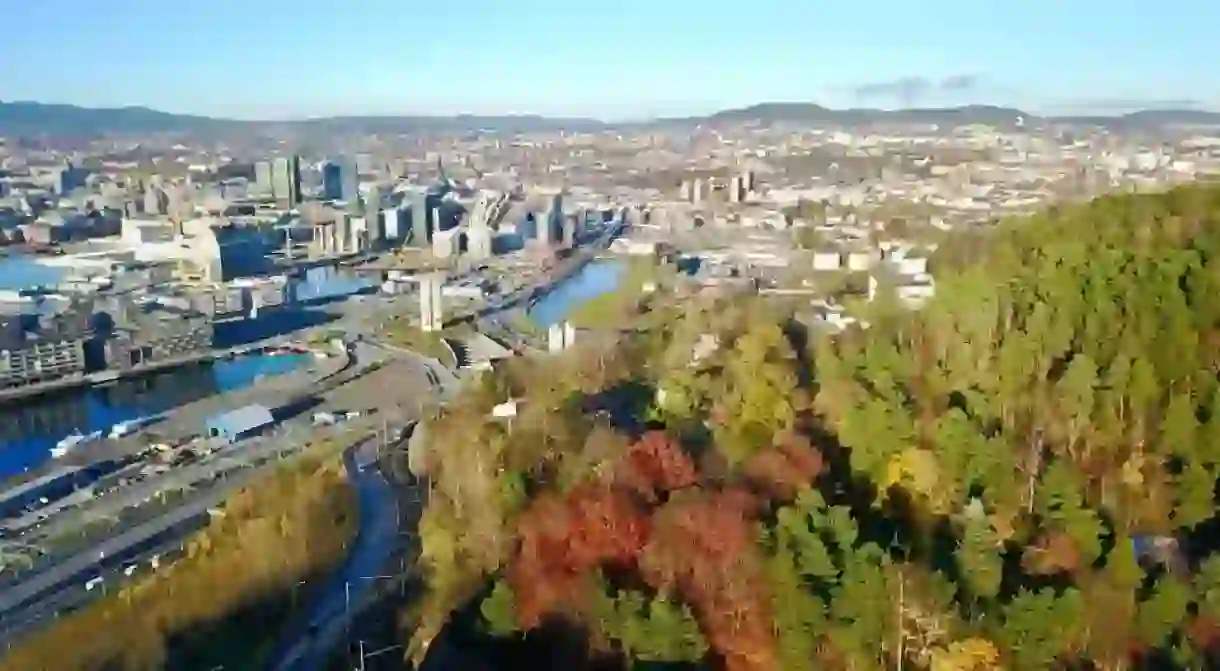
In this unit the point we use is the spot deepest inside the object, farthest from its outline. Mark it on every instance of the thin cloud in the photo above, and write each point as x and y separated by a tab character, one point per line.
907	89
960	83
912	90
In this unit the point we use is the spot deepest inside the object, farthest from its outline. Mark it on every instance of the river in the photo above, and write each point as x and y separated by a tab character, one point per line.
598	277
19	271
31	429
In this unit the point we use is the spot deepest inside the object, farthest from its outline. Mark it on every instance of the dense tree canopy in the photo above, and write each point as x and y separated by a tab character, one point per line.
1019	476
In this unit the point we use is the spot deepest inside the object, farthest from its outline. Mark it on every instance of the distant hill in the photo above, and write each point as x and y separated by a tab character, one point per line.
808	112
32	118
950	116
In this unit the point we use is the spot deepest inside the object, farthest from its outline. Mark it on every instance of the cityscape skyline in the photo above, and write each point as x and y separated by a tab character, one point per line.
628	61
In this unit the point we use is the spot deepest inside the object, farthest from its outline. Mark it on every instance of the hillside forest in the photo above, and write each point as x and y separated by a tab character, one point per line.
1021	475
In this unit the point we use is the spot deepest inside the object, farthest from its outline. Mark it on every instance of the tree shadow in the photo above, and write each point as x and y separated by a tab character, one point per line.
624	406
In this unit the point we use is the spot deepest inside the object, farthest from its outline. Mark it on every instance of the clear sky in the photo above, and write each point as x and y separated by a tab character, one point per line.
614	59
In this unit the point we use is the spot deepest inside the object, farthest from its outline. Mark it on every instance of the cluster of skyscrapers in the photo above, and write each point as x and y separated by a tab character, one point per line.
700	190
279	178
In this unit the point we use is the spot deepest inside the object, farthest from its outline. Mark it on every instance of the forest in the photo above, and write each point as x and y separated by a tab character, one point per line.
1021	475
222	602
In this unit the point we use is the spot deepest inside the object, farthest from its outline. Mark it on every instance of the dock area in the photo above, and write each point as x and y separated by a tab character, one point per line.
187	420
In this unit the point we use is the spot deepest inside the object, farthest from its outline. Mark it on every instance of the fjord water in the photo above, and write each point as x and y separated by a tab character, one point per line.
30	429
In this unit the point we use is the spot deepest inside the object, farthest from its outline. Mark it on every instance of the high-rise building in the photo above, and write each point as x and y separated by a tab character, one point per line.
286	180
421	222
557	207
735	189
340	180
568	234
67	178
262	178
543	227
374	197
431	307
156	201
550	223
393	222
426	312
332	181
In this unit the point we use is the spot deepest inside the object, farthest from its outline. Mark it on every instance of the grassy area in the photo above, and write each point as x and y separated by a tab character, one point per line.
402	333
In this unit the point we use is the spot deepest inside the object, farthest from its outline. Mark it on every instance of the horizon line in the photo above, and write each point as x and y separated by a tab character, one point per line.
1151	106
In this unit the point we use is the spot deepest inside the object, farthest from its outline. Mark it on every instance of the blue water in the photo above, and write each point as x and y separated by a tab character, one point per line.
328	282
30	430
20	272
595	279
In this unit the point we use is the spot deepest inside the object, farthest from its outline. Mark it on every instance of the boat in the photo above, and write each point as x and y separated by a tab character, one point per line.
130	426
67	443
124	428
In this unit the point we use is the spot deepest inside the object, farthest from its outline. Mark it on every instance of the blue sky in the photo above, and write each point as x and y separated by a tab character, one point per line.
615	59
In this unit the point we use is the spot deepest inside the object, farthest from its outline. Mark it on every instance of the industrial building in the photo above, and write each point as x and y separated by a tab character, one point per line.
237	425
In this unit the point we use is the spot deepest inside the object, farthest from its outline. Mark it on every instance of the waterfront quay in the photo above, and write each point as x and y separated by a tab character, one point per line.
84	380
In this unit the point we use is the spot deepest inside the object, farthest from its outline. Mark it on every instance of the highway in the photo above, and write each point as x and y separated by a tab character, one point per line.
74	595
112	553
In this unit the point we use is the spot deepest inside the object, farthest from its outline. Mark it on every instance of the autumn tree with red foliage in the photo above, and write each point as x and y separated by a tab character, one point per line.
655	464
704	549
563	539
781	471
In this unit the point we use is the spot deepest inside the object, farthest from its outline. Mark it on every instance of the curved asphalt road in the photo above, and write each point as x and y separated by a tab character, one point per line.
307	641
